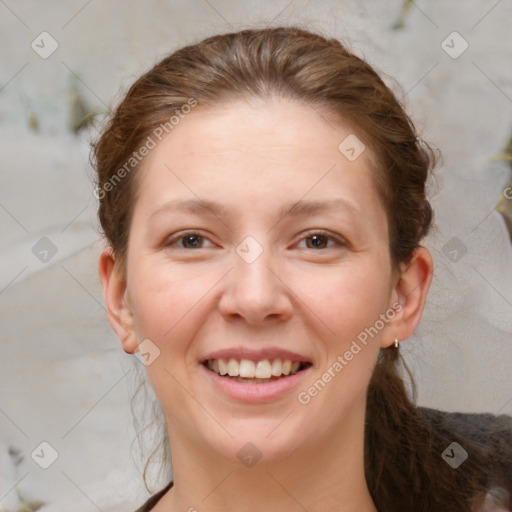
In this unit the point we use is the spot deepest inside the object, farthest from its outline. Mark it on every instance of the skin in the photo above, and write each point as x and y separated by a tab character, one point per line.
253	157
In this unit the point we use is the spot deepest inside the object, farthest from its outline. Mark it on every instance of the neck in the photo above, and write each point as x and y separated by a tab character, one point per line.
326	476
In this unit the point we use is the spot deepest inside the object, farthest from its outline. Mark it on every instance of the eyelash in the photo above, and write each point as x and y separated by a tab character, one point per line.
337	241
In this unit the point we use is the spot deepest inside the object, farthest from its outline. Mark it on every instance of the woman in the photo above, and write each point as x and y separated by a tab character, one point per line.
263	196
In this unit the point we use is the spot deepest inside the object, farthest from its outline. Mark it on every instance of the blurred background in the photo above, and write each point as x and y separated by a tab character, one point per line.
66	435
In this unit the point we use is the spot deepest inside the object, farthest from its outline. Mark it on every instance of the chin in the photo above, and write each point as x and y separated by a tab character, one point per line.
259	440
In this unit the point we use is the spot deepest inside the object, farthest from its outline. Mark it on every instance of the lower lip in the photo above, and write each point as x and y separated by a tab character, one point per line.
256	393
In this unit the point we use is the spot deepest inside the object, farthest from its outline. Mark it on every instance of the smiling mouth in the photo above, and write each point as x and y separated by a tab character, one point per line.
255	372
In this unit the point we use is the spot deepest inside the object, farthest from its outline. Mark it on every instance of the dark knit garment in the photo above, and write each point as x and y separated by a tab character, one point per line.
153	500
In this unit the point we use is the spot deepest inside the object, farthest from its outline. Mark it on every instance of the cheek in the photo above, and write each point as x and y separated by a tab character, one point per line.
350	298
170	306
160	292
157	299
348	304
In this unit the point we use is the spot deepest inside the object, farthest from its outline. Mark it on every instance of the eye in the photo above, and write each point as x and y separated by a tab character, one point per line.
320	238
194	240
191	240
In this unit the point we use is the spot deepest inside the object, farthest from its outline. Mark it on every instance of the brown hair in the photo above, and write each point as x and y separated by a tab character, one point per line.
403	464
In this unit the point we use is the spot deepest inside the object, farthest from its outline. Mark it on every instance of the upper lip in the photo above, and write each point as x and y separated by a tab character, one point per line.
256	355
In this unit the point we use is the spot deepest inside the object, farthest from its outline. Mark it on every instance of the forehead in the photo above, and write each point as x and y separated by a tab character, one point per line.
275	125
279	151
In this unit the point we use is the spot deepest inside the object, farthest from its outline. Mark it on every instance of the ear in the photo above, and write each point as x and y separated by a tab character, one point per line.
114	292
410	292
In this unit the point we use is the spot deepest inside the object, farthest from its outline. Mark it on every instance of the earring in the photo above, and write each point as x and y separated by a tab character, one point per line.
396	343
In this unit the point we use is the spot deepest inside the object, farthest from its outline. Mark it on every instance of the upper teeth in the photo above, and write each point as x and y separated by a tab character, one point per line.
249	369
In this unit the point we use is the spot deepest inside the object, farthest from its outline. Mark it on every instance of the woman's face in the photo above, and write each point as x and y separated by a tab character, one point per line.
255	238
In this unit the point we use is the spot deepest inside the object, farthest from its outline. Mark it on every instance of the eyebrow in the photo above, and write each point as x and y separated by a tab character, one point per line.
294	208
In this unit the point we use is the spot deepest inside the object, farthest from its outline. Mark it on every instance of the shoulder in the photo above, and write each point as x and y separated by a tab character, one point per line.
482	428
486	439
150	504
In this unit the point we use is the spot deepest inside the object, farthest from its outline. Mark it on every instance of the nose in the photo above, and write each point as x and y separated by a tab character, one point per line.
256	290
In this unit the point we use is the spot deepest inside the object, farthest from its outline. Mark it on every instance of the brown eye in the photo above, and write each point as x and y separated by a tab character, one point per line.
320	240
193	240
186	241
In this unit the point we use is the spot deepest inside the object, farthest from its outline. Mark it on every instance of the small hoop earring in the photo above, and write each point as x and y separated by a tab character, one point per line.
395	344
